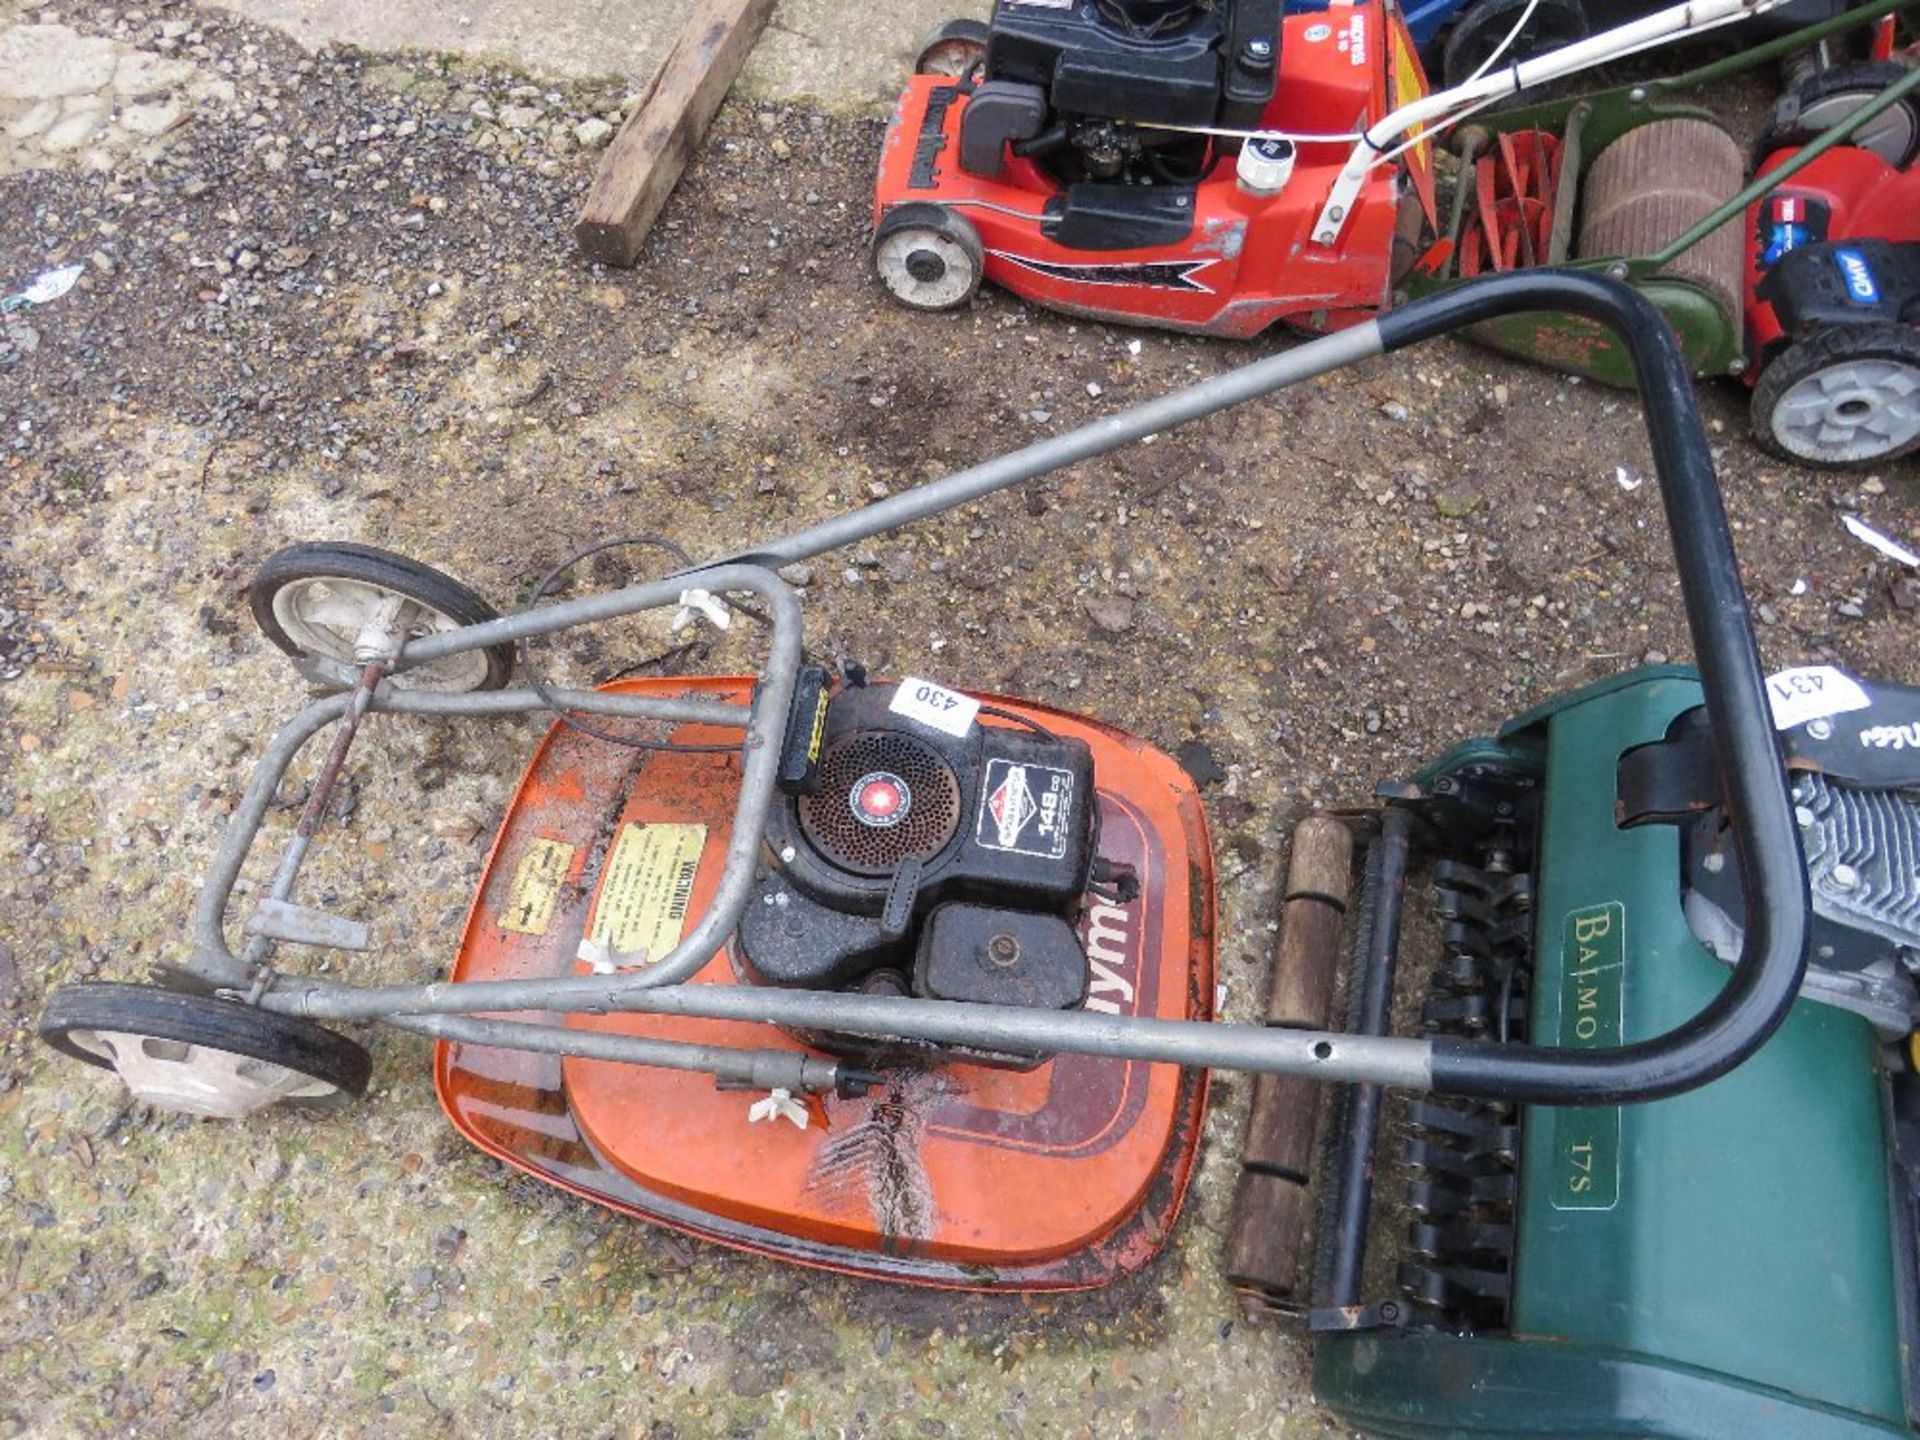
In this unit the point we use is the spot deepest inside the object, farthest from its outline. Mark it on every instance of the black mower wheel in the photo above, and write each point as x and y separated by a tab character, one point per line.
1477	32
957	48
1825	99
928	257
314	599
201	1055
1845	396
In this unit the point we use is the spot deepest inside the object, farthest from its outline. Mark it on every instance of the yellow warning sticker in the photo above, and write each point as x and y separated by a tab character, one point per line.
536	886
648	888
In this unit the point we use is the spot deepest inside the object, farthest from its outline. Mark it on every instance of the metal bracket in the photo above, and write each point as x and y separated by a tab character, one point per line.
327	674
298	925
1379	1315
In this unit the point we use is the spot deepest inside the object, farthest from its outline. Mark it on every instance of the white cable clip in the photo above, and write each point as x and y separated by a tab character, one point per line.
705	604
779	1104
602	958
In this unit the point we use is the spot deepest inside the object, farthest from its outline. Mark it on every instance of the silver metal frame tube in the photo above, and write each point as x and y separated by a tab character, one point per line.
656	988
764	722
1256	1048
761	1069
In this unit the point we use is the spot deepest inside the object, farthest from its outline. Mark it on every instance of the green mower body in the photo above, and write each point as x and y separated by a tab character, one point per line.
1735	1261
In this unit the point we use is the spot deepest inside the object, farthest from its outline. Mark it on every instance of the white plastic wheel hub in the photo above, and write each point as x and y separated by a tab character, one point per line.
924	268
326	616
952	57
1853	410
198	1079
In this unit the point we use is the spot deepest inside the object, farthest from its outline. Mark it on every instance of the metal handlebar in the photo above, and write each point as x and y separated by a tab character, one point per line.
1773	879
1754	1000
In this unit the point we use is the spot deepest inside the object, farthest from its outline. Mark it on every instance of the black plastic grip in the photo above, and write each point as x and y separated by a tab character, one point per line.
1773	957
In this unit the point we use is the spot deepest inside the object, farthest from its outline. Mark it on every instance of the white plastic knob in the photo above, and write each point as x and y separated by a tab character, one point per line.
1265	166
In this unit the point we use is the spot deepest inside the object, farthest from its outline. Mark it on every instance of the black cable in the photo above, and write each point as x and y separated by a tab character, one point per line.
570	718
1017	718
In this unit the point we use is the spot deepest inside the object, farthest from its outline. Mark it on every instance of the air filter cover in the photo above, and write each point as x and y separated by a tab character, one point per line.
885	796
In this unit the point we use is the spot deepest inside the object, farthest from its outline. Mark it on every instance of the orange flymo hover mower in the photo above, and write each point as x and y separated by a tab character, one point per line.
887	977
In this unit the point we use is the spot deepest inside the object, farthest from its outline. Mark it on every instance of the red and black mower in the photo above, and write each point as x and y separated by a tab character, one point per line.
1833	269
1161	164
1212	168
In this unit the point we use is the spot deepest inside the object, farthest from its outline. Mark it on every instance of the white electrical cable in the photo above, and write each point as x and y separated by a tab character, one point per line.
1305	138
1296	136
1432	128
1506	44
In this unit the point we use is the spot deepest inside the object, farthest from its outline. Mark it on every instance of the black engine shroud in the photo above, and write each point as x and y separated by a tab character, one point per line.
917	861
1148	60
1068	81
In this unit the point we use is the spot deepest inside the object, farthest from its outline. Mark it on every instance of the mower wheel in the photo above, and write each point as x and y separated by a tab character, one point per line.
201	1055
1829	97
957	48
1483	26
316	600
1845	395
928	257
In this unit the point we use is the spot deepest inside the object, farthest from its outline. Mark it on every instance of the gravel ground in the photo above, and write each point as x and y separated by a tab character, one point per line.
343	304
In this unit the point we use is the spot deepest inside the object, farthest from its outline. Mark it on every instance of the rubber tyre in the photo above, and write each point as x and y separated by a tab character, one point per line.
338	560
951	239
1485	25
1827	349
1894	135
284	1040
949	36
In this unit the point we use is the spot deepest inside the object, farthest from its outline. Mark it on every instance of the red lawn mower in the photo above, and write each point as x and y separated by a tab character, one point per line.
1833	275
1210	168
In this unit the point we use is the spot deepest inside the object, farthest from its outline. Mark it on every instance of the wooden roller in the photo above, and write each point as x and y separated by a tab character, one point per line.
1649	187
1270	1208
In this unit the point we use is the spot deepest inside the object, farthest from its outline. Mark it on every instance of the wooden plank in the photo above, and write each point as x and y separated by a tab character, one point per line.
1306	963
1308	955
1283	1125
644	162
1266	1240
1266	1234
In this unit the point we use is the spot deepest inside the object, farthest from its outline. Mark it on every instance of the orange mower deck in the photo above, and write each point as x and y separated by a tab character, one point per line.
958	1175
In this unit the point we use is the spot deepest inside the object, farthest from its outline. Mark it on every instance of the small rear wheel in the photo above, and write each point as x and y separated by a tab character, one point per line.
1827	98
957	48
203	1056
928	257
1847	395
318	599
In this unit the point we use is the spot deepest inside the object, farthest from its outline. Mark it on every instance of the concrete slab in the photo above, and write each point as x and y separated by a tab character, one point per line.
840	56
67	97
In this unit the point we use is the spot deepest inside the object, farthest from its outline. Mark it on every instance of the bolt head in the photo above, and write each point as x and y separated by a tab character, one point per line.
1819	729
1845	876
1003	950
